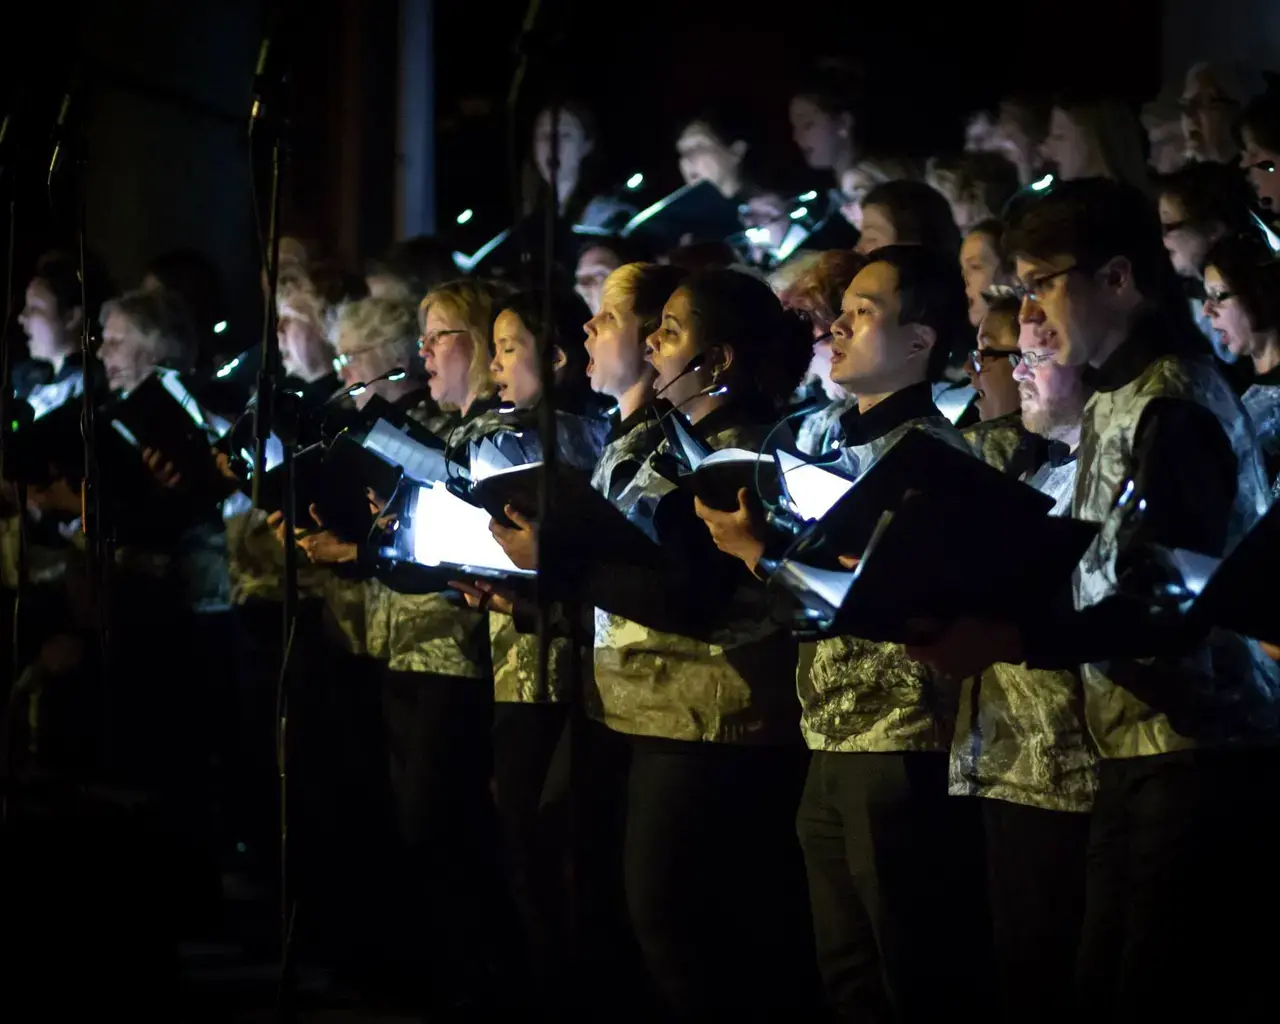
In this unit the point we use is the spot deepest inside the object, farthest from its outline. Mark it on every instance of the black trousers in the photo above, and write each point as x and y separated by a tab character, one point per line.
1181	899
895	884
439	758
714	877
533	813
1035	880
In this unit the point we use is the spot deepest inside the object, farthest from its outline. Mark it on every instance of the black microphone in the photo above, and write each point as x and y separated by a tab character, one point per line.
59	128
261	81
692	366
396	373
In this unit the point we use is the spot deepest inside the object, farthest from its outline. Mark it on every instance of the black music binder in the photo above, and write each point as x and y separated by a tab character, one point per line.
917	571
585	526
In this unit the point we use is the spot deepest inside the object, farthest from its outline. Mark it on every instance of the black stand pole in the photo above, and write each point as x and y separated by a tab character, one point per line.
95	523
268	419
7	399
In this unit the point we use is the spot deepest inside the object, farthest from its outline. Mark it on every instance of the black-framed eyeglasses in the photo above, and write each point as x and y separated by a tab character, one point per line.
979	356
1265	166
1024	290
1172	226
1219	298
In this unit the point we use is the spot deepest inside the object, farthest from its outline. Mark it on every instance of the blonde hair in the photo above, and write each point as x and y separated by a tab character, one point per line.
473	303
381	323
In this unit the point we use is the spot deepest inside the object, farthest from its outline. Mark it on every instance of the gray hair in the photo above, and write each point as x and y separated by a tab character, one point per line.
162	319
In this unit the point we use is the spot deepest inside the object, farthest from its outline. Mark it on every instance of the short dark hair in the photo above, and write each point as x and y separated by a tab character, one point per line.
920	213
60	273
1093	220
1252	274
565	330
1211	193
930	292
771	348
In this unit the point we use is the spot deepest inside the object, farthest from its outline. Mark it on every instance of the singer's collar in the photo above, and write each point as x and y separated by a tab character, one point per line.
910	403
619	427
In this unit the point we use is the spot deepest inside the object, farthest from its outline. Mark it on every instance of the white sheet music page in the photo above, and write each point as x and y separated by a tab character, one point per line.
418	461
450	531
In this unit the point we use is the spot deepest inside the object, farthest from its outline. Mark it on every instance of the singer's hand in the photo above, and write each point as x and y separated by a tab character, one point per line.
57	498
161	468
275	520
225	469
1271	650
850	561
736	533
322	545
520	542
484	596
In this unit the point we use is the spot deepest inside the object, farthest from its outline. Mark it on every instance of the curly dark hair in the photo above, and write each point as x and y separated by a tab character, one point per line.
771	348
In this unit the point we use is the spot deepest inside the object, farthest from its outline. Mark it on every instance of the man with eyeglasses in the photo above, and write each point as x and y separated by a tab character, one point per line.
1184	718
1020	742
998	438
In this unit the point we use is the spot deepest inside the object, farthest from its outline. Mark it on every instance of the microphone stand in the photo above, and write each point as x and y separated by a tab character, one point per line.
95	524
8	172
271	412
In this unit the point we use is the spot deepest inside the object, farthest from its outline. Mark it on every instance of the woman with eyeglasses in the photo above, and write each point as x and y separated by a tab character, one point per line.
1242	302
432	652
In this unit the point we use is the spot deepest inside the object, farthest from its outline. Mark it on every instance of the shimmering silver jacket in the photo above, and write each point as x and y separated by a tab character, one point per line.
859	695
1262	403
820	432
1020	733
1226	671
733	689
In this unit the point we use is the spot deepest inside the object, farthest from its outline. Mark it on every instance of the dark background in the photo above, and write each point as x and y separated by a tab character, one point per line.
164	89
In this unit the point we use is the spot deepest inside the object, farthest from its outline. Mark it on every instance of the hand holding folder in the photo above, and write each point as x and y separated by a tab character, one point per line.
584	525
715	476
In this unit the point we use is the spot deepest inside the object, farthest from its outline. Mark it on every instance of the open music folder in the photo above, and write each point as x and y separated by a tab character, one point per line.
918	570
919	464
585	526
715	475
1238	592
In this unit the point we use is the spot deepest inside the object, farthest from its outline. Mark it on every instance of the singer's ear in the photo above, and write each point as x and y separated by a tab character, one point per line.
558	359
719	359
923	338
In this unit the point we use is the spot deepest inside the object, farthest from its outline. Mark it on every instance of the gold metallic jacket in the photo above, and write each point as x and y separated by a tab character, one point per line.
436	632
995	441
1020	733
859	695
1227	673
515	654
733	686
